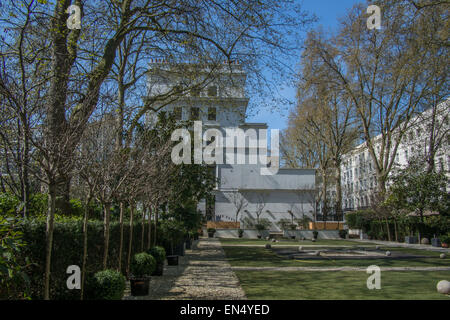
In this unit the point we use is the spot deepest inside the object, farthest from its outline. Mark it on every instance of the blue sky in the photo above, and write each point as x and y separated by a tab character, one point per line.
328	13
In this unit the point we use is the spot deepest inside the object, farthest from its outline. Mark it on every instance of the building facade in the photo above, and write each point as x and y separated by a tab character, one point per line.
220	103
358	171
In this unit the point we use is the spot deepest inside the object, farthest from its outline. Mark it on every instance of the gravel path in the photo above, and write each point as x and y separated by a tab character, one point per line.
202	274
324	269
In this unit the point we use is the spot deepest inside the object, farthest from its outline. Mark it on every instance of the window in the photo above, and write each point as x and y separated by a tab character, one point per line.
177	113
195	92
212	91
195	113
212	114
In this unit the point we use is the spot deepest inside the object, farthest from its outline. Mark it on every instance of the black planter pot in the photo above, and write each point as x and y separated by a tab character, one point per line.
140	286
293	237
159	270
172	260
188	244
259	236
211	234
411	240
435	242
195	236
179	249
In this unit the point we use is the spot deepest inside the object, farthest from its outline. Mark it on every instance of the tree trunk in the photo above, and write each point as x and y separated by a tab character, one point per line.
49	237
143	229
339	213
149	236
156	223
121	235
388	229
395	230
107	210
130	241
85	244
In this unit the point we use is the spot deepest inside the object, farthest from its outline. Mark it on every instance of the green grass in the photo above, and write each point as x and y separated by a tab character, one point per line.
323	242
341	285
261	257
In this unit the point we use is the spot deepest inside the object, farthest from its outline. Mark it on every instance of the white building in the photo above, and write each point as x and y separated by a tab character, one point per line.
358	171
221	104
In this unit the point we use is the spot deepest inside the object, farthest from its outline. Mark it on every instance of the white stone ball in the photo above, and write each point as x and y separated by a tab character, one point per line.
442	256
425	241
443	287
268	246
267	238
378	247
388	253
300	248
317	253
313	240
273	240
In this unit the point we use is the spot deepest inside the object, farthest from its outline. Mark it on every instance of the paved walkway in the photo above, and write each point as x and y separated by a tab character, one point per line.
202	274
326	269
405	245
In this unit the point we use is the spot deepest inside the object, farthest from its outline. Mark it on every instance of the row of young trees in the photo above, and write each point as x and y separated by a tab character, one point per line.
357	84
58	84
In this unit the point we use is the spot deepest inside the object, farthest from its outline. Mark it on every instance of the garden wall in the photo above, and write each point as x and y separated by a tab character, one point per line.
253	234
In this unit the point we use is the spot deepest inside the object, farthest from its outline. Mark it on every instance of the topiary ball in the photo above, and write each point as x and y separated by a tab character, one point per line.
142	265
106	285
443	287
159	253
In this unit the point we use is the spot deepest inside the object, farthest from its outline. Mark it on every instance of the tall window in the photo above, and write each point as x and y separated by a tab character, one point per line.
212	114
212	91
195	92
195	113
177	112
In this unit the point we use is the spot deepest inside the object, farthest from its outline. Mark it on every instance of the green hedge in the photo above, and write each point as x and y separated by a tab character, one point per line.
68	250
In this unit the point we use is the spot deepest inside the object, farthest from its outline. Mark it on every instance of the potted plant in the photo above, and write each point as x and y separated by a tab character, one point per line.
315	234
260	227
435	242
173	231
343	233
188	241
211	232
141	267
106	285
411	240
160	257
240	233
445	241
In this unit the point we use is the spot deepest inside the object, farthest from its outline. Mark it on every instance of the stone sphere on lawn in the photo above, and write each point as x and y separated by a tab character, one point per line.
274	240
442	256
268	246
388	253
300	248
317	253
443	287
377	247
313	240
425	241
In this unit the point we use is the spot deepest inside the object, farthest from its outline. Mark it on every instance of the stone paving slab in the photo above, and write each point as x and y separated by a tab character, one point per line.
325	269
202	274
405	245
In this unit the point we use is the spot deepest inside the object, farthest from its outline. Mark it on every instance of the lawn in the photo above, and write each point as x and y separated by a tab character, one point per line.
342	285
261	257
323	242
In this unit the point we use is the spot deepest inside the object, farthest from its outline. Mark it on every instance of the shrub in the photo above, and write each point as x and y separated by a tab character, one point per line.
142	265
343	233
211	230
68	250
8	204
240	232
445	238
158	253
106	285
315	234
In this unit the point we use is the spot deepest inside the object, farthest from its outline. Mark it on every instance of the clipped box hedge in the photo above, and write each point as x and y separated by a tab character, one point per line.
68	250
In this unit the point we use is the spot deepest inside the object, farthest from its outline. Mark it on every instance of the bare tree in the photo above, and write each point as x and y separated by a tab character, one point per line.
239	202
